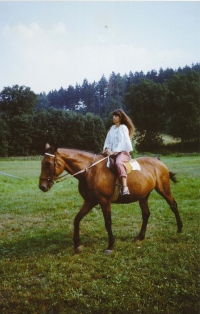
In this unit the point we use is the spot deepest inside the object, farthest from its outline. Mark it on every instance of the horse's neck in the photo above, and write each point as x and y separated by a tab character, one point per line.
75	160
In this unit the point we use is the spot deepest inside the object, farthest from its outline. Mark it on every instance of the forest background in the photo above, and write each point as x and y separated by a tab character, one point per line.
164	102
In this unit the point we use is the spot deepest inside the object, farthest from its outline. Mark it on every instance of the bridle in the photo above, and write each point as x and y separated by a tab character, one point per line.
60	178
49	178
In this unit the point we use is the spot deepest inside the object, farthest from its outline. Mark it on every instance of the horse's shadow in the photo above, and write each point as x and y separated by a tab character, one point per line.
41	244
51	243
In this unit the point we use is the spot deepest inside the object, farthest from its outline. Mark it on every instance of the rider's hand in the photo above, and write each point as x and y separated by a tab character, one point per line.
105	151
108	152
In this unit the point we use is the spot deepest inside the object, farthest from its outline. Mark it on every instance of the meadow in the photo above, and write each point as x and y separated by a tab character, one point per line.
39	272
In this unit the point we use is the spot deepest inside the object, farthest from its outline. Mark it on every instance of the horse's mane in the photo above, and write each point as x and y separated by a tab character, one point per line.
53	149
80	150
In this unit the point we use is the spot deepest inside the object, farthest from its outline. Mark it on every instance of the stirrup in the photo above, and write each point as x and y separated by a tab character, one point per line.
126	192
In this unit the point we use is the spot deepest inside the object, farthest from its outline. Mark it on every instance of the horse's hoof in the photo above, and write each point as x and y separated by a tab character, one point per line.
78	250
108	252
137	240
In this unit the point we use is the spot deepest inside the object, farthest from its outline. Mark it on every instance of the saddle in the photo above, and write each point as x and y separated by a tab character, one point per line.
131	165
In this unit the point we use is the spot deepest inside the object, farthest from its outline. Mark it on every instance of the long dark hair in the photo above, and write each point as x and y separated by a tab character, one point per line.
125	120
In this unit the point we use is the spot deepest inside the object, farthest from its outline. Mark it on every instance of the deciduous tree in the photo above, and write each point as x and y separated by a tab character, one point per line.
146	104
17	100
183	107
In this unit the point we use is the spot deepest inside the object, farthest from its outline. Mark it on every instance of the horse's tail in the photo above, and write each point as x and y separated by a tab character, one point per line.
172	177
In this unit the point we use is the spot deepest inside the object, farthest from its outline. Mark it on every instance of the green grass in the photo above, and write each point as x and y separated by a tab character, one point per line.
39	272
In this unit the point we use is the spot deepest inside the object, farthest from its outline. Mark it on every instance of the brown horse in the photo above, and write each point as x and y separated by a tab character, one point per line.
97	185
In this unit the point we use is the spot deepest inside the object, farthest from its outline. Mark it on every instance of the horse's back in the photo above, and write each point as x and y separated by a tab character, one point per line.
148	167
151	164
152	172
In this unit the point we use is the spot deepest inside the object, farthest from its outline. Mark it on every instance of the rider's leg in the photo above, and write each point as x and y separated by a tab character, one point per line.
120	163
124	184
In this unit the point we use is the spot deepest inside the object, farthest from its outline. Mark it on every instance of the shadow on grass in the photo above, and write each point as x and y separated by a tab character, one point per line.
52	243
56	242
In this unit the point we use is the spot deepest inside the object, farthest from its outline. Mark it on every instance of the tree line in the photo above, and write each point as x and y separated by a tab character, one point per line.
164	102
102	96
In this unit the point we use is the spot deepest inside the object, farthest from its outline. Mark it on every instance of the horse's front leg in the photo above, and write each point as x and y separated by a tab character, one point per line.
106	208
145	216
86	207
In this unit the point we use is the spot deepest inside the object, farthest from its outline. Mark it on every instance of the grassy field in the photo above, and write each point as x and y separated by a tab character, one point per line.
39	272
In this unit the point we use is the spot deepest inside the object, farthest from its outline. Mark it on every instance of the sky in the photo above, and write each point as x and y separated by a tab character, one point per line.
47	45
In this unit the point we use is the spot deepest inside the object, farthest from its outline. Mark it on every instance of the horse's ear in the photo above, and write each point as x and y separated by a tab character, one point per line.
47	146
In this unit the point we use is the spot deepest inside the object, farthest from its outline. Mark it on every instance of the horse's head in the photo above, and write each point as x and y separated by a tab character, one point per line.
50	168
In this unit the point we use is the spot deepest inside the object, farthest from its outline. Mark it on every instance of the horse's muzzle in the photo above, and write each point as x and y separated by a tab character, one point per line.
43	188
45	184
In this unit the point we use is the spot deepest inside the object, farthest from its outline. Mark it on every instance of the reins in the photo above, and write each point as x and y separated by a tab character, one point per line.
10	175
60	179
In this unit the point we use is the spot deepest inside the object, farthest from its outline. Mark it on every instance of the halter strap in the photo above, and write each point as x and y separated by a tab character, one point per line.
50	155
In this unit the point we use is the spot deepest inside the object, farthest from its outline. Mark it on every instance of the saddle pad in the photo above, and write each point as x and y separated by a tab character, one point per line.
132	165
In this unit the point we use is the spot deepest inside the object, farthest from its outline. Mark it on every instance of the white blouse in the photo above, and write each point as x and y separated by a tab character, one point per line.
118	139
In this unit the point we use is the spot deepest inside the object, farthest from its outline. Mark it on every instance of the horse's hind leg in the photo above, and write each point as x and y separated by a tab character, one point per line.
174	208
166	194
145	217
